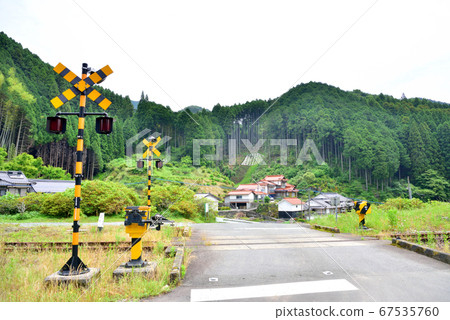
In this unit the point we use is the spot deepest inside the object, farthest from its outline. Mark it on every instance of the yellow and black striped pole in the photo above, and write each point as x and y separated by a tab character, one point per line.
74	265
148	155
84	88
134	224
149	171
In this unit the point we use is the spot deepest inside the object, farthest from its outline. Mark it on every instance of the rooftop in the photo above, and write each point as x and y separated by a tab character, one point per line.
294	201
239	192
51	186
274	177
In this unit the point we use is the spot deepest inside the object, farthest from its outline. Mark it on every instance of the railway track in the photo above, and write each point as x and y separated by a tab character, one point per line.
94	245
423	235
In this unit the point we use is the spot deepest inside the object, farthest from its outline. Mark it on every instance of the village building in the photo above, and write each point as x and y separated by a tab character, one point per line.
272	186
212	199
324	203
290	208
240	199
15	182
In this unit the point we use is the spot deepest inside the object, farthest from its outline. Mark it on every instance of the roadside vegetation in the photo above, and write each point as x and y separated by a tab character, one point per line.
23	272
173	190
395	216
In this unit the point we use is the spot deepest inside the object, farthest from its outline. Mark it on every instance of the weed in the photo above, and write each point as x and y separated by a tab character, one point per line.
23	272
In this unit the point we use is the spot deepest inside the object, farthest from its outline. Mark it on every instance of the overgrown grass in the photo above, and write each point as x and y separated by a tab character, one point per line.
39	217
14	233
22	273
433	216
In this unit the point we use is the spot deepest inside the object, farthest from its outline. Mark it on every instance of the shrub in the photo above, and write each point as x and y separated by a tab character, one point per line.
268	209
224	208
26	215
108	197
173	199
33	201
58	204
9	204
402	204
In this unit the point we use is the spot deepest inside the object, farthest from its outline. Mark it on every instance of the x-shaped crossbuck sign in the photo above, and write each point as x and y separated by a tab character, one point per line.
151	147
82	86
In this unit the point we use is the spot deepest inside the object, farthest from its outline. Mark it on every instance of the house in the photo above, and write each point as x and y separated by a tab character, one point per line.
324	203
240	199
276	186
344	204
319	206
273	186
51	186
290	208
213	200
14	182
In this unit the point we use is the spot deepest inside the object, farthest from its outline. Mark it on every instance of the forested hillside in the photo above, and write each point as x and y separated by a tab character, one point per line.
370	142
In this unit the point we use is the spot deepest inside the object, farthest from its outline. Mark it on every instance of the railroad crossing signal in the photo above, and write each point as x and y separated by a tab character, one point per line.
82	86
151	147
138	219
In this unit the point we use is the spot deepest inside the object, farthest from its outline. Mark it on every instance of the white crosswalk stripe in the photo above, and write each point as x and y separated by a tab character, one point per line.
271	290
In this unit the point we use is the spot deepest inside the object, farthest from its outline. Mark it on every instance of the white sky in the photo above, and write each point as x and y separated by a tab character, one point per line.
185	53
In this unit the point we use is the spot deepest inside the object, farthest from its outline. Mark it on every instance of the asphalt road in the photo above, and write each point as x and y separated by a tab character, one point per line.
288	262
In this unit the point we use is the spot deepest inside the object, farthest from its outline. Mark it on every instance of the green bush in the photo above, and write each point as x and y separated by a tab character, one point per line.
58	204
173	199
402	204
268	209
9	204
108	197
26	215
33	201
224	208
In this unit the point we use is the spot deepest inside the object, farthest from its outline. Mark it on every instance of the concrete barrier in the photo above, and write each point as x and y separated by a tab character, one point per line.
435	254
330	229
175	273
186	231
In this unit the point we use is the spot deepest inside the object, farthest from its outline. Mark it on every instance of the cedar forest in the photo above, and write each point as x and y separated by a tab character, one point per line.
370	143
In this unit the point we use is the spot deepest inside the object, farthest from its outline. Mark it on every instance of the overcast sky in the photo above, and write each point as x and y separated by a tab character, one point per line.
183	53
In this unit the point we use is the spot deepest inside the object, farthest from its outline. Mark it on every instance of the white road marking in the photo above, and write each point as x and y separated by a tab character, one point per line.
280	240
278	246
271	290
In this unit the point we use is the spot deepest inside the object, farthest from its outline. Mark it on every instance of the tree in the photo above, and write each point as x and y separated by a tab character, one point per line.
417	153
437	184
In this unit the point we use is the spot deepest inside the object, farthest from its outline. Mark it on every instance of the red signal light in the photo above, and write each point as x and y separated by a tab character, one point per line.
104	125
56	125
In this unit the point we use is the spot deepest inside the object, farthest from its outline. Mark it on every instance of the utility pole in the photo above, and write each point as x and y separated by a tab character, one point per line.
409	189
309	204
